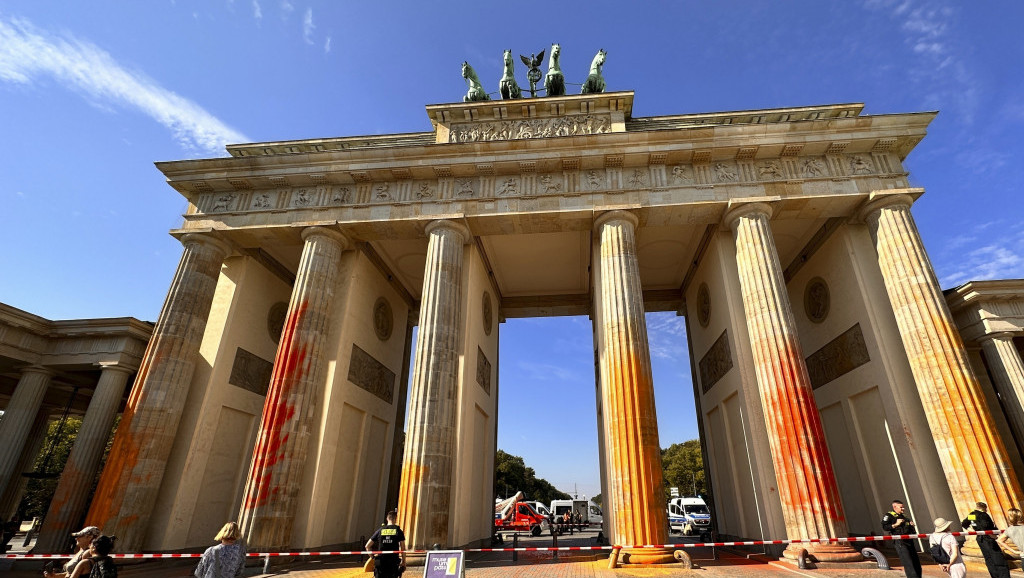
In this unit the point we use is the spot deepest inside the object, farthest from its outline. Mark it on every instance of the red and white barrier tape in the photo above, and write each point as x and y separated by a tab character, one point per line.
527	549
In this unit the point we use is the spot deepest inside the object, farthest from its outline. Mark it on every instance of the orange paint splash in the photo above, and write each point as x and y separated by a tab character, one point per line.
273	440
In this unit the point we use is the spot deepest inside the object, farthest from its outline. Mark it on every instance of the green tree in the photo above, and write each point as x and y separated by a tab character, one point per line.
49	463
597	500
511	475
683	468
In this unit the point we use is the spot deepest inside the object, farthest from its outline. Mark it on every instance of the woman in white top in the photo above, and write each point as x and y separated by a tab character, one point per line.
83	538
956	567
1012	539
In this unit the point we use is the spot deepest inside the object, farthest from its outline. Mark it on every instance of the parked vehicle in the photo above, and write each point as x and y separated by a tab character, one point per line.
515	515
596	516
689	515
560	507
541	509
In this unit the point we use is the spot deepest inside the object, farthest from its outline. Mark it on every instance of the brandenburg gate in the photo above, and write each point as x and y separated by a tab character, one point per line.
828	375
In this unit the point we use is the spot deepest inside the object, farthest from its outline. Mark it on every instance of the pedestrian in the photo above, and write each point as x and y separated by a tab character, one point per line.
102	564
83	539
1014	533
979	520
955	566
226	559
388	538
896	523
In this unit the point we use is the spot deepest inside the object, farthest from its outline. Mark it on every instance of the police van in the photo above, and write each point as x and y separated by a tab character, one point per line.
689	515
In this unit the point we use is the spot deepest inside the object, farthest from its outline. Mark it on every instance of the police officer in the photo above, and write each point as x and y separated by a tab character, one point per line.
979	520
896	522
389	538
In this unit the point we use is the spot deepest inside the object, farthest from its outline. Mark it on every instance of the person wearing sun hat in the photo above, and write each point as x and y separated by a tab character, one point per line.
941	537
83	538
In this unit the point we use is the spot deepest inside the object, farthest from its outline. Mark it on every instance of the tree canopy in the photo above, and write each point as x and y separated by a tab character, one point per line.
683	467
511	474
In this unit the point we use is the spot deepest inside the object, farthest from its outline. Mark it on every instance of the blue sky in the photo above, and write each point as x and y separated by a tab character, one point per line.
92	93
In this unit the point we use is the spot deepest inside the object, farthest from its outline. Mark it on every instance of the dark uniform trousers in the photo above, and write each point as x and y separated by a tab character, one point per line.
905	549
994	559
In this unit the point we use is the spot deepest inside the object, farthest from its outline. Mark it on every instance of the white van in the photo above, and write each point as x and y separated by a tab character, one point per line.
540	508
689	515
596	516
560	507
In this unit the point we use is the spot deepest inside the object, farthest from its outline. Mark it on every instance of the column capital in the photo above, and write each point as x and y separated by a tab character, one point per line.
38	369
449	225
1001	336
737	211
207	240
616	215
879	200
115	366
332	234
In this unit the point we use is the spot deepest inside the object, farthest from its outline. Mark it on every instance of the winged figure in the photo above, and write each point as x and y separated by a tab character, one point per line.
533	74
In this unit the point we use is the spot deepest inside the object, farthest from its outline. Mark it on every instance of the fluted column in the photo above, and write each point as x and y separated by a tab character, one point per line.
72	494
807	486
424	501
1007	370
19	415
627	393
289	412
972	454
15	491
134	470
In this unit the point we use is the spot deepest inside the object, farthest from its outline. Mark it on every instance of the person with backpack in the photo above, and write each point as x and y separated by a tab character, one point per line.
945	550
897	523
979	520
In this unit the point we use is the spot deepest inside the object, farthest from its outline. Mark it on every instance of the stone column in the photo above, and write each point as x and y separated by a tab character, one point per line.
424	501
127	491
19	415
1008	374
11	497
627	392
807	485
72	495
289	412
972	454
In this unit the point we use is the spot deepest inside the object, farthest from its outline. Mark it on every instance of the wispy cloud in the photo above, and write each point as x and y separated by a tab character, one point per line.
308	26
327	45
928	33
28	55
1002	258
286	9
257	12
666	334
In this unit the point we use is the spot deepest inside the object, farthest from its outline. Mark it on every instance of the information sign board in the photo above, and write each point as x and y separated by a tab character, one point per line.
441	564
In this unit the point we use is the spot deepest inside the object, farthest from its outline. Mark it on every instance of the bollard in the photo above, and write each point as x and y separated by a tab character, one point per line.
554	544
801	560
613	558
883	563
515	544
684	559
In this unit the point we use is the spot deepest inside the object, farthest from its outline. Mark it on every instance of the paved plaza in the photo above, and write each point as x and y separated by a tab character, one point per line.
708	562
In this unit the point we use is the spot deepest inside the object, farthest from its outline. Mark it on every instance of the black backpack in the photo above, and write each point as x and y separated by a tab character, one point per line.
939	554
103	567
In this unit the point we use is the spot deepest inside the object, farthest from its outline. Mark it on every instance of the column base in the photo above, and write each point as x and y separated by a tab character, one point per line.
826	553
646	556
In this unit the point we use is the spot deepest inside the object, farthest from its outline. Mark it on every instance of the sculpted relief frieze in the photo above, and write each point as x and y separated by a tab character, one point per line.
528	184
571	125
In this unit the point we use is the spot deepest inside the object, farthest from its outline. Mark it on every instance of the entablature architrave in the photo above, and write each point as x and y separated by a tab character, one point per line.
878	140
